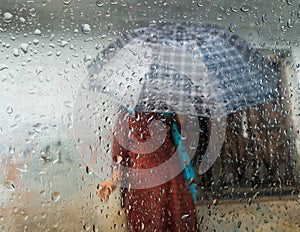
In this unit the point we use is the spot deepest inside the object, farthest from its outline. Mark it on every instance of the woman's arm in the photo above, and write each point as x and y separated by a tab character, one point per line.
118	153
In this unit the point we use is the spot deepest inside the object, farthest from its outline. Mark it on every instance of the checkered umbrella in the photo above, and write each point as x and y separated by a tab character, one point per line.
203	70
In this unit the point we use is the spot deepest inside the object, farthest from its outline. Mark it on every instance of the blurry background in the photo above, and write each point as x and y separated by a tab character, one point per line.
45	47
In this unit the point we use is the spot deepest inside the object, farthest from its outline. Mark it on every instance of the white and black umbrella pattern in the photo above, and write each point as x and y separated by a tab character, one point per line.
200	70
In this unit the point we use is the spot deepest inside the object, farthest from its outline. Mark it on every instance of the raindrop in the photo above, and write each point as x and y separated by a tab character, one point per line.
244	8
66	2
215	202
37	125
87	58
22	167
11	149
35	41
24	47
113	2
220	17
63	43
68	104
22	20
39	70
9	185
9	110
239	224
200	3
99	3
18	117
289	23
234	8
289	2
32	12
7	17
37	32
16	52
264	18
232	27
25	216
86	28
86	226
185	216
3	66
55	196
88	170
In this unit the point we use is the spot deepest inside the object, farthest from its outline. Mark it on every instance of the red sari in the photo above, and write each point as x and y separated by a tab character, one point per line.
165	207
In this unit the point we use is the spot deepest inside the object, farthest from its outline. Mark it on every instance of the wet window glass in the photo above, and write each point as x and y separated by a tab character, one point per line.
149	115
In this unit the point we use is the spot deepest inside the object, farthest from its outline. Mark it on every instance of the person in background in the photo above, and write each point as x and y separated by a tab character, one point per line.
166	207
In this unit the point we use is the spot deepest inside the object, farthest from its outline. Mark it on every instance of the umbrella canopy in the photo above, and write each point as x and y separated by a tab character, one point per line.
203	70
188	70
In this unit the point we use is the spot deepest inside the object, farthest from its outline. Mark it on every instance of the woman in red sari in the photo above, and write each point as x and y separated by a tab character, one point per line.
165	207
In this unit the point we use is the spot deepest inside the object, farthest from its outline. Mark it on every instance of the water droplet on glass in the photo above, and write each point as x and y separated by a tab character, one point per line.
3	66
24	47
25	216
87	58
16	52
18	117
63	43
68	104
234	8
264	18
9	185
200	3
239	224
289	23
220	17
99	3
32	11
7	17
9	110
66	2
22	20
185	216
86	28
245	9
37	32
35	41
232	27
55	196
22	167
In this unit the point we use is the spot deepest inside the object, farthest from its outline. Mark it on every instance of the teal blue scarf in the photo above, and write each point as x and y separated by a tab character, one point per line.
185	163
